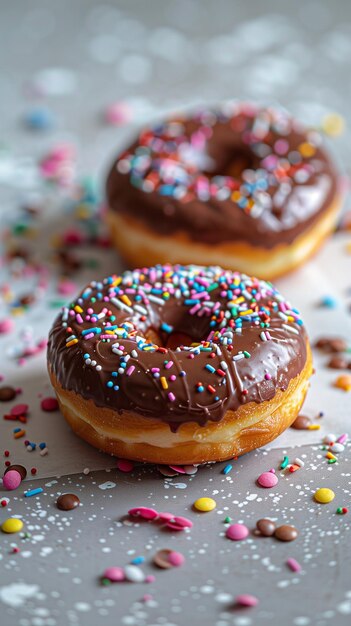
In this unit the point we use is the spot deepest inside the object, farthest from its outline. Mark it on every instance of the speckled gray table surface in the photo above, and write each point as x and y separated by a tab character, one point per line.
74	59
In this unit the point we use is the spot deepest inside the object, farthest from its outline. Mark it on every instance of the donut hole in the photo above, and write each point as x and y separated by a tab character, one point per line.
171	341
229	161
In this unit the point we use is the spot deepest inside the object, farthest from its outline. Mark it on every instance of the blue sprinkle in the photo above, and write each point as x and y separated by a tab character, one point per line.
166	327
138	560
329	302
228	468
210	368
42	445
33	492
40	119
109	384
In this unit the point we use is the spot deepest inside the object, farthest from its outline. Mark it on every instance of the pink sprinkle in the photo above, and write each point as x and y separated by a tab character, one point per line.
144	512
294	565
66	287
49	404
246	599
268	376
130	370
118	114
6	325
179	523
178	468
171	396
125	466
237	532
150	578
147	596
114	574
176	559
169	365
343	438
19	409
267	480
79	318
89	336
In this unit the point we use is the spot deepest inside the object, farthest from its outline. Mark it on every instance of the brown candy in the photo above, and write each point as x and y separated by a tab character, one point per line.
331	344
302	422
67	502
266	527
286	533
18	468
7	394
338	363
161	559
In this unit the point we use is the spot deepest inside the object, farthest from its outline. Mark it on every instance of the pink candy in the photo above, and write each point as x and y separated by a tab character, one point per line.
246	599
125	466
19	409
114	574
176	559
11	480
118	114
49	404
237	532
179	523
6	325
144	512
267	480
294	565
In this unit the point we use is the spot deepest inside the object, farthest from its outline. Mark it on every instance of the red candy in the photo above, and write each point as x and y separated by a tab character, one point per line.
49	404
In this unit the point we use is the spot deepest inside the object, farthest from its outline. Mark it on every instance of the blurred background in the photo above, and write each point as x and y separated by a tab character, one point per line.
69	61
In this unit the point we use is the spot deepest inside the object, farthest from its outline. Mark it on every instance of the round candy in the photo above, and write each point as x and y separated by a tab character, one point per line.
134	574
337	447
19	409
324	495
49	404
176	558
125	466
7	394
114	574
330	438
267	480
205	504
246	599
19	468
266	527
237	532
12	525
286	533
67	502
162	558
179	523
165	517
302	422
144	512
11	480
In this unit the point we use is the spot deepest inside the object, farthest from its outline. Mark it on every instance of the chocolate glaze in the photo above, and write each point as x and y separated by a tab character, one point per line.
238	142
87	365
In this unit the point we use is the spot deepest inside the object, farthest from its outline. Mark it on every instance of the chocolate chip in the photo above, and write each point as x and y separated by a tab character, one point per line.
67	502
338	363
18	468
266	527
302	422
286	533
7	394
331	344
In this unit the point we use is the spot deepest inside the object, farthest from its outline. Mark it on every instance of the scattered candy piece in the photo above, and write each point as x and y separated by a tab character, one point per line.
144	512
39	118
125	466
114	574
11	480
12	525
134	574
67	502
33	492
329	302
343	382
49	404
286	533
7	394
324	495
237	532
6	326
266	527
333	124
302	422
165	559
205	504
19	409
118	114
342	510
294	565
267	480
247	600
179	523
19	468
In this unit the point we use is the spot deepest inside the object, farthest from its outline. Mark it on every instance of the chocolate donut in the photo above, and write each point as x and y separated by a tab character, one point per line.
174	364
243	187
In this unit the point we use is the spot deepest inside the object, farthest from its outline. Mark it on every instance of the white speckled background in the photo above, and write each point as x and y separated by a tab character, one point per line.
76	58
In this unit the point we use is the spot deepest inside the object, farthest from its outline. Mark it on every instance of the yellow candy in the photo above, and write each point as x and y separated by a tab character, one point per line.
324	495
306	149
12	525
343	382
333	124
205	504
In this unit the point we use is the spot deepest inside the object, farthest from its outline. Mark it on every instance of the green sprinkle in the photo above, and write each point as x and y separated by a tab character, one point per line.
227	520
285	462
331	461
246	354
212	287
339	510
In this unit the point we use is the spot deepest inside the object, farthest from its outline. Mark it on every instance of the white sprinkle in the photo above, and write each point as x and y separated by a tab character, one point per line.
290	329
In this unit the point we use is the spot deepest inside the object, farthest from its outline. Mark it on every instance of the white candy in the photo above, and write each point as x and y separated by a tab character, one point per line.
337	447
299	463
329	438
134	574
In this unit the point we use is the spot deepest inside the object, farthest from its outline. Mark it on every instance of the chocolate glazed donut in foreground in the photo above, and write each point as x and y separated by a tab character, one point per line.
235	174
177	344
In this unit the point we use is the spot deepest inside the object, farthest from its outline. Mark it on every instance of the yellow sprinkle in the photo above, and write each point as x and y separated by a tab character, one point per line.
324	495
71	343
314	427
329	455
205	504
247	312
126	300
164	382
343	382
12	525
237	300
236	195
333	124
78	309
306	149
